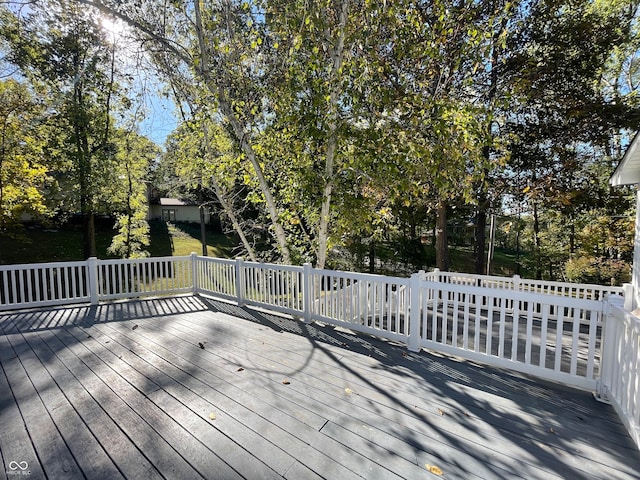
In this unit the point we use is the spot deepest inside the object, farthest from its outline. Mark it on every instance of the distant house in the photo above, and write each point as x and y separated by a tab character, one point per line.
176	210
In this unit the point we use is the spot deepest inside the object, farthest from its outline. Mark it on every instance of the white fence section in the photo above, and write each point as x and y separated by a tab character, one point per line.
38	285
369	303
218	277
144	277
619	382
34	285
510	329
554	330
278	287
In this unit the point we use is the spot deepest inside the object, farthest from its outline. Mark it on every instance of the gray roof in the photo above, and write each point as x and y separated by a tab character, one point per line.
176	202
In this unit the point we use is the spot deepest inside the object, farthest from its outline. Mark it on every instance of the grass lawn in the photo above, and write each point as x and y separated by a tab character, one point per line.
504	264
184	238
65	244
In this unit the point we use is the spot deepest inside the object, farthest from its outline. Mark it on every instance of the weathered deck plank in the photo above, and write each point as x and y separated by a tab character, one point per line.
126	389
388	404
384	396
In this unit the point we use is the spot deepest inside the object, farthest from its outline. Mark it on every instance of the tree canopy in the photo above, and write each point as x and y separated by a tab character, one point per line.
348	133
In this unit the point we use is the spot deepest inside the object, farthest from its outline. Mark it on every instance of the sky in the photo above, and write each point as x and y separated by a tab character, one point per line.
160	112
160	121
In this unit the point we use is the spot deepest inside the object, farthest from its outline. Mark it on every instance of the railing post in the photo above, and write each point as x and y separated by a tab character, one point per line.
194	272
306	292
239	267
629	299
607	357
92	271
414	313
516	288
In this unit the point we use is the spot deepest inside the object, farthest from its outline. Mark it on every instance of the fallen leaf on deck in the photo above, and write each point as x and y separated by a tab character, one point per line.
212	416
433	469
201	345
286	381
348	391
134	327
240	369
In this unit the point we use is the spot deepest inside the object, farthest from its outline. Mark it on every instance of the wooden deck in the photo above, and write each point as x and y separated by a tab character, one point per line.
186	388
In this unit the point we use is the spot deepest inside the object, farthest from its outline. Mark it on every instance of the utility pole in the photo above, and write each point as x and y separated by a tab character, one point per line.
492	240
203	232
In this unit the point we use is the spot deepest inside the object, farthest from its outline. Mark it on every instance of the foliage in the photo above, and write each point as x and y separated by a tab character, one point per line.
22	173
131	163
344	131
63	53
597	270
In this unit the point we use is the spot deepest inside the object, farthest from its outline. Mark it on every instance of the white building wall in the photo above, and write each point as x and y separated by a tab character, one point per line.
635	276
183	213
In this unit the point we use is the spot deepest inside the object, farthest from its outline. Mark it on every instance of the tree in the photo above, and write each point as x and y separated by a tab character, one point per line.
63	52
564	115
22	172
201	158
131	163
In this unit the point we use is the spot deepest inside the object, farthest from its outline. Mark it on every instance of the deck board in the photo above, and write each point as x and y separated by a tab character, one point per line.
125	389
384	398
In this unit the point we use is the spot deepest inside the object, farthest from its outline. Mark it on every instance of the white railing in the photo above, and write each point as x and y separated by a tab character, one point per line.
43	284
218	277
279	287
365	302
620	378
370	303
64	283
510	329
517	284
553	330
144	277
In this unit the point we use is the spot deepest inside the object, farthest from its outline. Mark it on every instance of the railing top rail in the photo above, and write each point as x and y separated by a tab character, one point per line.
570	284
143	260
228	261
516	295
526	281
373	277
274	266
35	265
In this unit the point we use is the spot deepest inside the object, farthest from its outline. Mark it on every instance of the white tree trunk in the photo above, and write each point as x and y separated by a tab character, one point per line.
337	56
241	137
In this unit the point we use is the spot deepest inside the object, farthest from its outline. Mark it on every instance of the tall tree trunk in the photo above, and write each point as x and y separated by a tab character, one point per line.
483	194
536	242
241	136
337	55
372	256
442	246
481	233
83	158
227	208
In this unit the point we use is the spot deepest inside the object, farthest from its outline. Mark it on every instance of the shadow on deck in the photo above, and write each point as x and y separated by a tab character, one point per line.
187	387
